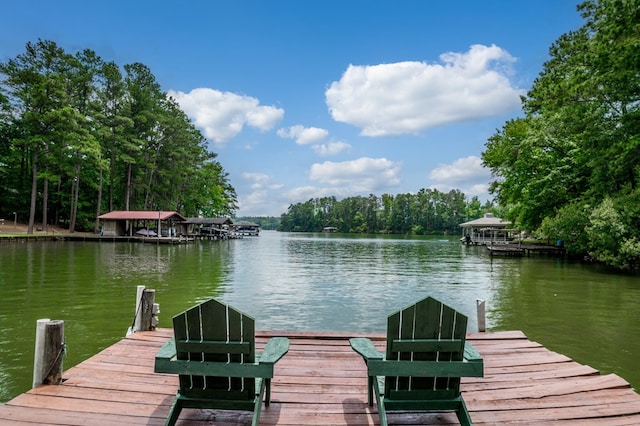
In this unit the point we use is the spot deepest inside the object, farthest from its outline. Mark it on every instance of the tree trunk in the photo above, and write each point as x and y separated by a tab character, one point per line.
34	193
72	219
74	199
96	227
128	188
45	203
56	210
112	168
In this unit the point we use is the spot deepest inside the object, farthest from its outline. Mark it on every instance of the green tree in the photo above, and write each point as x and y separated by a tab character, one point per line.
579	141
71	125
36	82
112	122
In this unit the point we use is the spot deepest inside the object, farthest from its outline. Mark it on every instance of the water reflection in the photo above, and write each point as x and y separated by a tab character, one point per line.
578	310
327	282
310	282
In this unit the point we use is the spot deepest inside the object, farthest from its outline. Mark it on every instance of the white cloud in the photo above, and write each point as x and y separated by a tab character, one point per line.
478	190
361	175
257	178
466	174
313	136
461	170
259	201
304	135
304	193
331	148
407	97
222	115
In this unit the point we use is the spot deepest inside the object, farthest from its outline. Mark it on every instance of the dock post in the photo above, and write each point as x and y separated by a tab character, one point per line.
137	322
146	310
49	351
482	320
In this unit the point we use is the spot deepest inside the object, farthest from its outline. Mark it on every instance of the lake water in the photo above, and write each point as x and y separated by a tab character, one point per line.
310	282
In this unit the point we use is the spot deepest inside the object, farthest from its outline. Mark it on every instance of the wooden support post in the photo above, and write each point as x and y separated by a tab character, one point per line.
49	352
146	309
482	321
154	316
137	323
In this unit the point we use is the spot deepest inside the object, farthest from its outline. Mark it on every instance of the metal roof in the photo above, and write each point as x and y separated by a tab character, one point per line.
209	221
141	215
246	223
489	221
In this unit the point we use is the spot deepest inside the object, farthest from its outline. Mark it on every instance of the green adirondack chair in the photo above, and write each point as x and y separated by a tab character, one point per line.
213	352
426	357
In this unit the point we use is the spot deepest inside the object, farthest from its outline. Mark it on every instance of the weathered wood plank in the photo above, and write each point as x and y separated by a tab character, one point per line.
593	411
321	381
43	416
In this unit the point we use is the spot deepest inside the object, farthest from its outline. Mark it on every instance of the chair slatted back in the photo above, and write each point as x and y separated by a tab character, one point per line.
215	332
426	331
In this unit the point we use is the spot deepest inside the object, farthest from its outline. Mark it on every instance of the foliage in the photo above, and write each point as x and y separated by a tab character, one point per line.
429	211
578	144
568	225
605	231
79	137
265	222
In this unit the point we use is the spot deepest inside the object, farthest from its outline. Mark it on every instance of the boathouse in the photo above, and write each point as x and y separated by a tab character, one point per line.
244	227
121	223
197	226
487	230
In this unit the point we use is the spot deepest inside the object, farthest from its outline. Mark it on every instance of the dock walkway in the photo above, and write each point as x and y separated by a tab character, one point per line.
321	381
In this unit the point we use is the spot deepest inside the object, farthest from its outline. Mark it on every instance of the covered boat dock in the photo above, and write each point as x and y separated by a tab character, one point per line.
142	223
487	230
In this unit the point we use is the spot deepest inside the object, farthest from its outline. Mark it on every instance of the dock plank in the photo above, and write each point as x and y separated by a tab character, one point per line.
322	381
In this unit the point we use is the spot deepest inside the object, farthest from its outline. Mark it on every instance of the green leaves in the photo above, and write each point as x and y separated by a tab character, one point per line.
578	143
83	124
428	211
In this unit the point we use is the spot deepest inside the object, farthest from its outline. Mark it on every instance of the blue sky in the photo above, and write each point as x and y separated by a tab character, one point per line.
304	99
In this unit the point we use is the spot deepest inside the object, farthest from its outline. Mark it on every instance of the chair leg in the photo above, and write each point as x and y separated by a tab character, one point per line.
267	398
174	413
257	408
382	413
463	414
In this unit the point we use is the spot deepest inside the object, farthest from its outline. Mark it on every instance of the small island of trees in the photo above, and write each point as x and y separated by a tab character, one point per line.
428	212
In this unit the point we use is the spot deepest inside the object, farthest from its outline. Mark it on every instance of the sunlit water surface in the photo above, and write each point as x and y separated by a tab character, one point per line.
310	282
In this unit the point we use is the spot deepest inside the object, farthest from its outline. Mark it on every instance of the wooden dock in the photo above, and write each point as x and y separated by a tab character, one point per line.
505	250
321	381
518	250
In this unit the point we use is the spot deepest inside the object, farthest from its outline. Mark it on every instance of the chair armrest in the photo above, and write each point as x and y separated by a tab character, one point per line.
275	349
365	348
164	356
168	350
471	354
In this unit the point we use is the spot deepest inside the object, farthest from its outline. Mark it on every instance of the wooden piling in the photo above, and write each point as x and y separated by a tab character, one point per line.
482	320
146	310
49	352
145	317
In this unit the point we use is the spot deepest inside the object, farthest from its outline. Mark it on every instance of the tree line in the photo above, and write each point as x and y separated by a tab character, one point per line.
269	223
570	168
428	211
80	136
